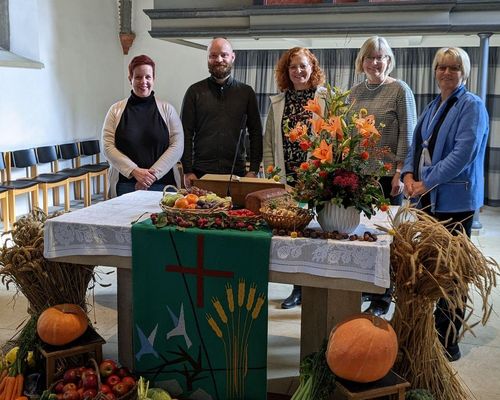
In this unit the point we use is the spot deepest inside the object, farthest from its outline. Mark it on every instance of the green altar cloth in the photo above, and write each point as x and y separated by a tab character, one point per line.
200	310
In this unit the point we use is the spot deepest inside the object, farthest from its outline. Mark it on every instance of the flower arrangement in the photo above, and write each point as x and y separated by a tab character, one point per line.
343	164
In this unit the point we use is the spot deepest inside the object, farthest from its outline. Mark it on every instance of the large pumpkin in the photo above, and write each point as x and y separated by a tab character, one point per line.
61	324
362	348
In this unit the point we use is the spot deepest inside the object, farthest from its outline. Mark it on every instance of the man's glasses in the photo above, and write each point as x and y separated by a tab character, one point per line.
378	58
452	68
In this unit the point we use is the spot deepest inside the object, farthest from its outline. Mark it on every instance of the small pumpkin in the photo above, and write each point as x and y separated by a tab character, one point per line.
362	348
61	324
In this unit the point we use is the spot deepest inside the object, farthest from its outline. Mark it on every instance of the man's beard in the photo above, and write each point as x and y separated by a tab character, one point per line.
220	71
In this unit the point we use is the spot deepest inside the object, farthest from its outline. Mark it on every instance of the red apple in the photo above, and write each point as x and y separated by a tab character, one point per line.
70	376
129	381
105	389
112	380
89	380
107	368
89	394
80	392
123	372
71	395
59	387
69	386
120	389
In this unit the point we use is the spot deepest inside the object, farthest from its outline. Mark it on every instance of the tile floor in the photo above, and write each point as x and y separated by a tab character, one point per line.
478	366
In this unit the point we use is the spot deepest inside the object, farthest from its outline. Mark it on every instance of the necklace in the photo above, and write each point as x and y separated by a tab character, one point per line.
376	87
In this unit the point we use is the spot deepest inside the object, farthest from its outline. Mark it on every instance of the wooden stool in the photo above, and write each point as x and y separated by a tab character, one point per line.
89	343
390	385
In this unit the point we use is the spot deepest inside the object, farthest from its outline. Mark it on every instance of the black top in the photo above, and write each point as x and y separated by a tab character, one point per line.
294	112
211	117
142	135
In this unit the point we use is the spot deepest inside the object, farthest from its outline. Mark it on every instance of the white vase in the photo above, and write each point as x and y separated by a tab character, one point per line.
334	218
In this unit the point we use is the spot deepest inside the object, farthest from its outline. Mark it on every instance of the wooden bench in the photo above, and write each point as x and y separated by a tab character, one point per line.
391	385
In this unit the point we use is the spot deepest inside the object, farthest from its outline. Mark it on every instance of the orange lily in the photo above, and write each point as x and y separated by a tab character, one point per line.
313	106
334	127
324	152
317	125
366	126
297	132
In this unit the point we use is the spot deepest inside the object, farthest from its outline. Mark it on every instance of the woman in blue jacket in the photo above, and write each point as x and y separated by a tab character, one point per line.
444	166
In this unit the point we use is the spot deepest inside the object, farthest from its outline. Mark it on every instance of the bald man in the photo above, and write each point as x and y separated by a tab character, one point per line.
213	112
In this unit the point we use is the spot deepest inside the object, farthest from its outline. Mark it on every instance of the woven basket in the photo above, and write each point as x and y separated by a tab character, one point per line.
130	395
192	214
291	218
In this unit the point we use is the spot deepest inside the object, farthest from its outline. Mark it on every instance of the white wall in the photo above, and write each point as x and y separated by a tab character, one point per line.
177	66
77	41
85	70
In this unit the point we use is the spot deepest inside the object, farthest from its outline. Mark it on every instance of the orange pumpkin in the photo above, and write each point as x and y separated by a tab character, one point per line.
362	348
61	324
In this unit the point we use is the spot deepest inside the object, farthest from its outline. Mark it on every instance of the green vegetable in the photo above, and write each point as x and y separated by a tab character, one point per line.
316	379
158	394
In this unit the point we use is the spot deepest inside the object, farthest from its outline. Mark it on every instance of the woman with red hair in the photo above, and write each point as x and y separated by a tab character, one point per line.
299	79
142	136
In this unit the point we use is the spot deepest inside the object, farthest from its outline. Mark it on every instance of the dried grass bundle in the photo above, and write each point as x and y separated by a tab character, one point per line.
43	282
430	263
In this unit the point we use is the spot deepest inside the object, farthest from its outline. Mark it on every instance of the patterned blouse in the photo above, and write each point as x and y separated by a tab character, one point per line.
293	113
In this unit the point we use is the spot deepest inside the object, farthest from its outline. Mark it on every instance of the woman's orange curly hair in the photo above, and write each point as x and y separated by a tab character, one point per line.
283	79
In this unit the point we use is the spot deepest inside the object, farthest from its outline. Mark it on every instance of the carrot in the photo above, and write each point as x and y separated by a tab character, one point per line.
3	375
18	391
10	381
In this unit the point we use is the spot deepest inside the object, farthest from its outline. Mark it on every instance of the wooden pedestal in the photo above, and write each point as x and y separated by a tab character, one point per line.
88	345
391	385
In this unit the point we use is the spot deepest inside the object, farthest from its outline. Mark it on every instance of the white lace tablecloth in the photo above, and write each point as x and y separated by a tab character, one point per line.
105	229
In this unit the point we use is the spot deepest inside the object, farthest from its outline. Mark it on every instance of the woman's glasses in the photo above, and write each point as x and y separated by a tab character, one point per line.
452	68
378	58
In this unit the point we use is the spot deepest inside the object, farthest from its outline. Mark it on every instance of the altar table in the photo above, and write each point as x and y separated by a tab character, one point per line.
331	272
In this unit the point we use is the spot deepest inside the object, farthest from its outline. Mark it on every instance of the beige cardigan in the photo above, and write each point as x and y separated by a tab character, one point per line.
121	164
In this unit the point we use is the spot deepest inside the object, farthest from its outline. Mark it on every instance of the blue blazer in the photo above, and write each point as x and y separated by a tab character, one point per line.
456	174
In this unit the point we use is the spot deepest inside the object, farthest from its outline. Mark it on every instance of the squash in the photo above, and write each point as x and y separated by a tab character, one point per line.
61	324
362	348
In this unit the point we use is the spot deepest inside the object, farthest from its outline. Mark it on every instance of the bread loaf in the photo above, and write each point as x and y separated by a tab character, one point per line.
255	200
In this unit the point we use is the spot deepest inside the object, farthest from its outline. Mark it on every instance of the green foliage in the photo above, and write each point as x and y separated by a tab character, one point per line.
419	394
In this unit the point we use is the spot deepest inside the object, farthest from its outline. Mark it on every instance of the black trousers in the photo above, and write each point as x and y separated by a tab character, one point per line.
442	314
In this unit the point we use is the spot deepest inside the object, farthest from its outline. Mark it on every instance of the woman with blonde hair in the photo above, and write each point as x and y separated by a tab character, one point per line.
444	169
392	103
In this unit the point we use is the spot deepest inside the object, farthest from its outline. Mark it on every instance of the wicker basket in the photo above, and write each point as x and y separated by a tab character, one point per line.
291	218
130	395
191	214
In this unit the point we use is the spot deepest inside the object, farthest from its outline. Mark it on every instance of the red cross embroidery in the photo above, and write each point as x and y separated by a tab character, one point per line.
199	271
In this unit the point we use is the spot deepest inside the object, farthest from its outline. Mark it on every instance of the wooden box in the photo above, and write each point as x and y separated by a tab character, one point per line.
238	188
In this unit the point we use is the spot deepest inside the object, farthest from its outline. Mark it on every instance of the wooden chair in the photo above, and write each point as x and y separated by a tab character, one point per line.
96	169
75	174
16	187
4	204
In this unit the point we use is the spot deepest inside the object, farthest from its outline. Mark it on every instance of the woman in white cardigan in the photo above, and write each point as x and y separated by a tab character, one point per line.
142	136
299	79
